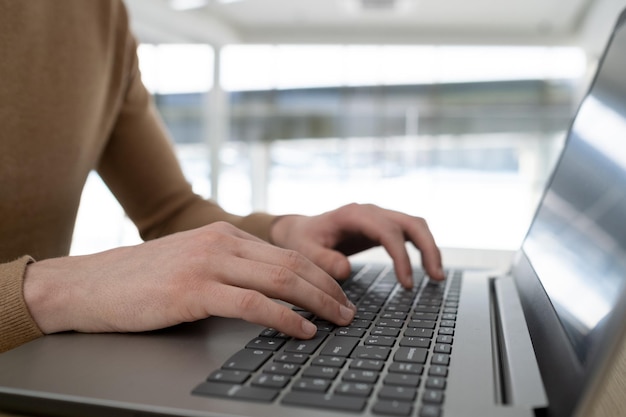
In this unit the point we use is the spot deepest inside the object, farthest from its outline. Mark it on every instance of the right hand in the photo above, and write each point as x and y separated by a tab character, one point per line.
214	270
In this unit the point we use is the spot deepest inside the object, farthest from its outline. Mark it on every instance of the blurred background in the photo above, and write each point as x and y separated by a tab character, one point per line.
453	110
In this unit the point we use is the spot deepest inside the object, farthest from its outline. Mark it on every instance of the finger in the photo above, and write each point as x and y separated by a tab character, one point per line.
393	234
255	307
418	232
289	276
333	262
282	283
299	264
385	231
392	239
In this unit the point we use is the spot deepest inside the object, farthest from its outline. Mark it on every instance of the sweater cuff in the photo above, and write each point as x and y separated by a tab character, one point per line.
258	224
16	324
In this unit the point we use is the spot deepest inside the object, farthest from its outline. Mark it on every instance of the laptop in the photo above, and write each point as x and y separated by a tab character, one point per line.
546	338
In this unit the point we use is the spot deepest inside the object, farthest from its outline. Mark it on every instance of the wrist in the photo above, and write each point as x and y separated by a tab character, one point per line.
45	298
279	229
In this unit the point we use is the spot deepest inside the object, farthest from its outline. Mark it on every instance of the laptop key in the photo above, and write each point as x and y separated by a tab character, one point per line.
440	359
247	360
271	381
438	370
333	361
411	355
350	331
430	411
393	315
427	309
326	401
265	343
289	369
448	331
406	368
367	365
385	331
216	389
355	375
311	384
393	408
357	389
371	352
435	382
294	358
398	393
423	324
380	341
419	332
339	346
418	315
433	396
397	323
405	380
324	372
443	348
228	376
305	346
421	342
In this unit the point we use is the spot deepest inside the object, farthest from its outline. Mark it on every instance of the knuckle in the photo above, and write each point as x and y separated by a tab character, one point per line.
222	225
218	235
282	277
419	224
249	303
293	260
221	228
355	207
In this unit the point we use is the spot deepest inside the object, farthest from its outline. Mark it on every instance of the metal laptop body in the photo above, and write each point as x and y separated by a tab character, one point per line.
533	342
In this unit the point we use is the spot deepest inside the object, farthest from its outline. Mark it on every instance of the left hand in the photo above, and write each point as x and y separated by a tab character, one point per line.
327	239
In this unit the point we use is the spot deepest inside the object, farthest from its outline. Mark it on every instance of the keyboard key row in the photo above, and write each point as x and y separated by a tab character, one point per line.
390	326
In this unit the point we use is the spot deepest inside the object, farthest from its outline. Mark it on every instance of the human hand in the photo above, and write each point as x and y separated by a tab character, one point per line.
214	270
328	238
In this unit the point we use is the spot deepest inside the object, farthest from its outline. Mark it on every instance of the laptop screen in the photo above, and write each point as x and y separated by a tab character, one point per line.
577	243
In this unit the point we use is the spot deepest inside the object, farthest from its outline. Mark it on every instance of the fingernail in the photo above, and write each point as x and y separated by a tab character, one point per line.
309	328
408	281
350	305
441	273
346	313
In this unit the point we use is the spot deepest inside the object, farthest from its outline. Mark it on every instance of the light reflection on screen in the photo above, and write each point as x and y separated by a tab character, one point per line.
577	243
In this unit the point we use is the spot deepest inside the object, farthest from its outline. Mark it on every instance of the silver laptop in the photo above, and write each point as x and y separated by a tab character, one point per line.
532	342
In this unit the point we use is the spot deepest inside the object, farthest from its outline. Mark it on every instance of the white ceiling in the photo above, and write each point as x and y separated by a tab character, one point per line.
530	22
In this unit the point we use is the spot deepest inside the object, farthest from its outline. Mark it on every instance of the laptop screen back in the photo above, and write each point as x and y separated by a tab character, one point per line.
577	242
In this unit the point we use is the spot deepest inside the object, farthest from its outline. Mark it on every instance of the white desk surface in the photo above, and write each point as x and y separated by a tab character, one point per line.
499	260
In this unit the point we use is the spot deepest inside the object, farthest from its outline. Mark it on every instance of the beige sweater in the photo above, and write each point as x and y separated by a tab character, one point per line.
71	101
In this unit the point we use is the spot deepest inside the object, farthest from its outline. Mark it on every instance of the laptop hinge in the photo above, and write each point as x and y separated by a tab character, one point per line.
516	370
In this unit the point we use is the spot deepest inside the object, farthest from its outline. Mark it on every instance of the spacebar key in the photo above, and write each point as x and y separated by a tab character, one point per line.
328	401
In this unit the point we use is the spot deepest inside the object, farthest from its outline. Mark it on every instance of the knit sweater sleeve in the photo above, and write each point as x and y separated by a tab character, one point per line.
16	324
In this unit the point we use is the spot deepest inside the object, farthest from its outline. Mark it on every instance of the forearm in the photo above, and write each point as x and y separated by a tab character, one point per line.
196	212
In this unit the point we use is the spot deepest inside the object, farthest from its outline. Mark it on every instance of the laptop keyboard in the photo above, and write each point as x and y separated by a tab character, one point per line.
391	360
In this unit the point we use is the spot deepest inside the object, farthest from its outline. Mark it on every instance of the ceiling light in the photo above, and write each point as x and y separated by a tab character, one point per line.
378	4
188	4
373	6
